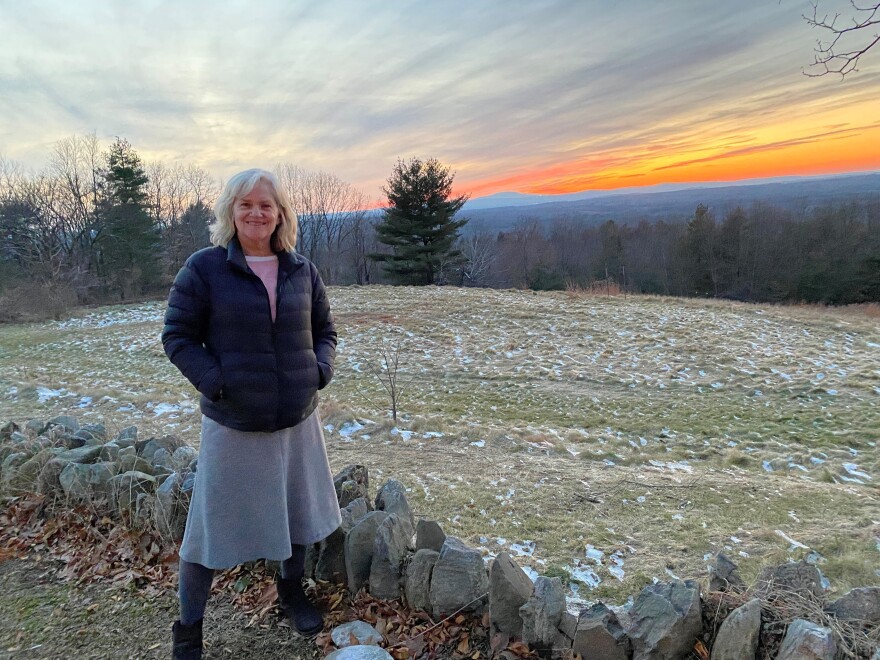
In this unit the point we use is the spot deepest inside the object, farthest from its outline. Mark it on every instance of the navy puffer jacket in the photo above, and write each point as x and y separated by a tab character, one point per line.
253	374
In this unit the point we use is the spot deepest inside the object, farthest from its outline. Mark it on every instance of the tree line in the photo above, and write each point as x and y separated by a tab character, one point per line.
97	226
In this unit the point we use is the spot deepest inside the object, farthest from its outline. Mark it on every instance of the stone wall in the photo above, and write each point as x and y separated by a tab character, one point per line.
381	547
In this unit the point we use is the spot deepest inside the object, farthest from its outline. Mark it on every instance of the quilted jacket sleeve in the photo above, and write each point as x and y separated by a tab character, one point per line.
323	329
183	336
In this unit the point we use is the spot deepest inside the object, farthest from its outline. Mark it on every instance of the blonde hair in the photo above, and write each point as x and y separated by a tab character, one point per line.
223	227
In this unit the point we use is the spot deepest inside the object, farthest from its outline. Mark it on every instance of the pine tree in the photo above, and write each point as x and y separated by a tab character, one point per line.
419	224
128	240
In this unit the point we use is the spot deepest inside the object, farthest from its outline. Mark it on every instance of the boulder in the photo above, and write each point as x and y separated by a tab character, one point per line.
666	620
87	481
98	431
392	498
127	437
799	577
804	640
49	480
330	563
25	477
68	422
146	448
362	631
351	483
418	579
353	512
389	550
127	486
7	430
739	634
109	451
429	535
509	589
542	613
600	635
34	427
564	636
361	652
862	604
459	579
131	463
724	574
359	549
183	456
162	459
172	506
84	454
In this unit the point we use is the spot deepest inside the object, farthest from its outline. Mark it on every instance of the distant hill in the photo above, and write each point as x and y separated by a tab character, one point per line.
669	202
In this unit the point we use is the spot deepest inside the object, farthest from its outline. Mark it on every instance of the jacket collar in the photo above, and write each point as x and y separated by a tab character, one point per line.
288	262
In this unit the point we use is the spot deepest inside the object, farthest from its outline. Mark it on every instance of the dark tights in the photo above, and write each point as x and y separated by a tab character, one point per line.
195	583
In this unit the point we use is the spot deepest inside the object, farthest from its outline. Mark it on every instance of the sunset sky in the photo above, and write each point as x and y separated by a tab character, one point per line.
540	96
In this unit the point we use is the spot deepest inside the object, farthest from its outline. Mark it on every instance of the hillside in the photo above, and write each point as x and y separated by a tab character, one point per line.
611	440
507	210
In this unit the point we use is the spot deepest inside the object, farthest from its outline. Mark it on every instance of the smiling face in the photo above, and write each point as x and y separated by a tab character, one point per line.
255	216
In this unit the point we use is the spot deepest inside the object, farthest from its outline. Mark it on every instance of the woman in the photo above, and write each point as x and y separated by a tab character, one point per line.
249	324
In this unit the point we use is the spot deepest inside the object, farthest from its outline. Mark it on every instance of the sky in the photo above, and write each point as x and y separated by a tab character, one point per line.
537	96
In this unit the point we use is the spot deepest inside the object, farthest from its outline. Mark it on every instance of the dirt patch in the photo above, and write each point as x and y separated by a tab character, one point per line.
42	616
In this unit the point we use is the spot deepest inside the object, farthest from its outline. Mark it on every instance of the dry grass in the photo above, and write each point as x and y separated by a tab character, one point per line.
653	429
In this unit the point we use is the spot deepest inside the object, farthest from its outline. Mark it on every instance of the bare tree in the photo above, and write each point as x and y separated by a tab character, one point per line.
847	39
388	372
478	251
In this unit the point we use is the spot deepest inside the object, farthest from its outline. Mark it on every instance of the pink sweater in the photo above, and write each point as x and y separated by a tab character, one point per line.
266	268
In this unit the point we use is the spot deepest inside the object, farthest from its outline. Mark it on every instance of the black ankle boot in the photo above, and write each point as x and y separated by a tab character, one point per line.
303	616
187	641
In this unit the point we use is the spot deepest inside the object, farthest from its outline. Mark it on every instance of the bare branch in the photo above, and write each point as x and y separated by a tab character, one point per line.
841	54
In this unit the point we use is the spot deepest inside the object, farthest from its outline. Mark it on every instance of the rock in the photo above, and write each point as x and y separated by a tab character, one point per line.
128	434
330	564
666	620
392	499
172	506
109	451
509	589
862	604
84	454
600	635
353	512
459	579
68	422
127	486
724	574
87	437
183	456
7	430
144	511
739	634
804	640
389	550
130	463
17	438
10	466
189	482
429	535
49	480
799	577
360	653
418	579
359	486
564	638
25	477
35	426
542	613
362	631
87	481
98	431
146	448
359	550
162	459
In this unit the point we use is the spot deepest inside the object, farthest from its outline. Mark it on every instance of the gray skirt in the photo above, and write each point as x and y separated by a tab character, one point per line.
256	494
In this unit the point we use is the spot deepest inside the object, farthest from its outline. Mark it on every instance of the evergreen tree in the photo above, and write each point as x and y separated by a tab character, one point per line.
128	240
419	224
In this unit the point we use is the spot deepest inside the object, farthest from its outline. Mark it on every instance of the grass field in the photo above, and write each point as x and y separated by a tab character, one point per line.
609	440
